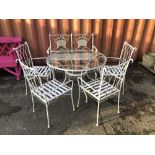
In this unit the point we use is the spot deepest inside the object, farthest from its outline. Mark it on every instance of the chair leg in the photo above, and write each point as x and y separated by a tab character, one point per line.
95	75
47	77
85	96
25	86
72	100
123	85
50	75
72	97
65	78
118	103
53	74
79	96
98	109
33	102
48	121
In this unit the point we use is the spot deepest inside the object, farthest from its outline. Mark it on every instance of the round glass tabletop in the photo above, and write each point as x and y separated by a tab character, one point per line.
76	61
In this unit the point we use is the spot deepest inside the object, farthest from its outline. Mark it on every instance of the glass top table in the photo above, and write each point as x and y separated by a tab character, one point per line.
76	61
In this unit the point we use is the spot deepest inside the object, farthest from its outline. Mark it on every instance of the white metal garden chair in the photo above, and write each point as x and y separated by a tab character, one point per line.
107	86
24	55
126	55
46	92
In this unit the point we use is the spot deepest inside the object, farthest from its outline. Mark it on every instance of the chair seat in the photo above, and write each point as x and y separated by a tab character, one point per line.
42	71
51	89
106	89
114	70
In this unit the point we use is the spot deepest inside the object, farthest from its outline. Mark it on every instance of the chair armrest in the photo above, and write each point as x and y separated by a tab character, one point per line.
49	50
112	66
131	60
95	48
113	58
79	78
39	58
17	60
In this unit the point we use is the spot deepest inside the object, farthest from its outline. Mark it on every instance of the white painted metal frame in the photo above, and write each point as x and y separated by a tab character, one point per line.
96	70
46	92
24	55
126	55
107	86
71	73
82	40
60	41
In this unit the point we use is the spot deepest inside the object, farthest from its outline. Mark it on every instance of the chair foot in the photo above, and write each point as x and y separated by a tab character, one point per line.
118	112
77	106
73	109
96	124
48	126
33	110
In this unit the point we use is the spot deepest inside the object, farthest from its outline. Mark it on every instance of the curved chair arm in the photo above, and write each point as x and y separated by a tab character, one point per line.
113	58
131	60
39	58
49	50
95	48
17	60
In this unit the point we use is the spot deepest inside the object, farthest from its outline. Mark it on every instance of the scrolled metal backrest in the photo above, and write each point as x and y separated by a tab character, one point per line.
82	40
59	40
24	54
126	52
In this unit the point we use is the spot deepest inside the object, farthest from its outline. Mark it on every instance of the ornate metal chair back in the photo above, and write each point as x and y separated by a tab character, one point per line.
82	41
24	54
59	41
126	52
